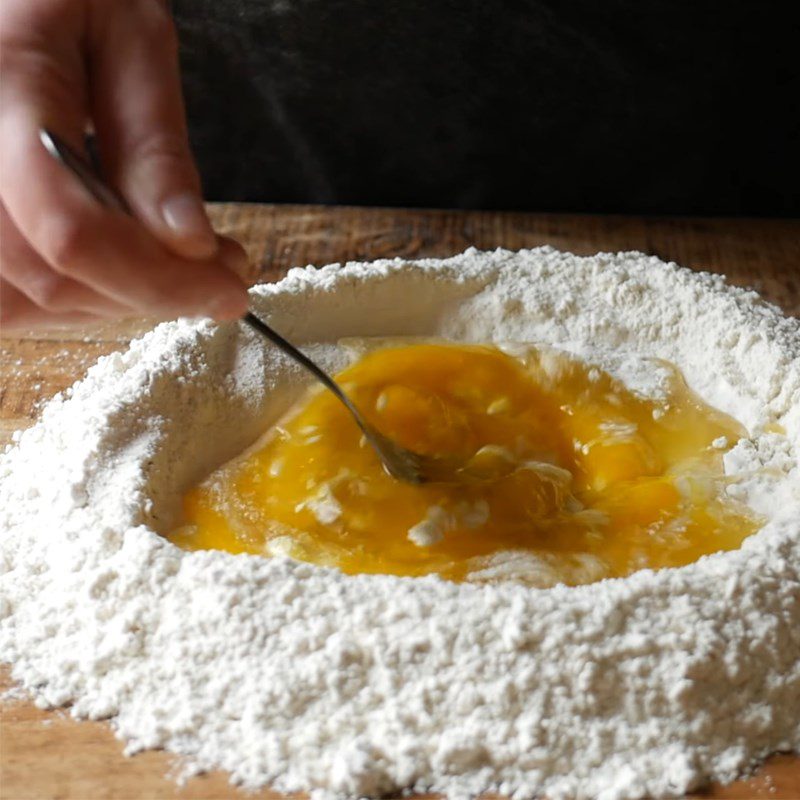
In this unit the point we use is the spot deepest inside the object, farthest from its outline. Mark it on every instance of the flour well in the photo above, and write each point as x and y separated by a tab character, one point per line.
300	677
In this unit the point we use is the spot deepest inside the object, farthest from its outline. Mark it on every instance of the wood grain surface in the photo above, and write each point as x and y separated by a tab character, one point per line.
46	755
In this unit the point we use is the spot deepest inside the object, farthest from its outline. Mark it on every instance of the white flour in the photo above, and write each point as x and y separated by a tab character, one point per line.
300	677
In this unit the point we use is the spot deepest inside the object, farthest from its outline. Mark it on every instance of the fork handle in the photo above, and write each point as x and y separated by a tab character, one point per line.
265	330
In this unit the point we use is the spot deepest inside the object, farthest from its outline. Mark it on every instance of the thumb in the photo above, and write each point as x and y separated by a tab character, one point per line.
139	115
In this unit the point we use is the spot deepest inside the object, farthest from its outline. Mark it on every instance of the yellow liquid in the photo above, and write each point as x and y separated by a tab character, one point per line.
574	477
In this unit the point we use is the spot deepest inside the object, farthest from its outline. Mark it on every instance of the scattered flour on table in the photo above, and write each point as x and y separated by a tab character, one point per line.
300	677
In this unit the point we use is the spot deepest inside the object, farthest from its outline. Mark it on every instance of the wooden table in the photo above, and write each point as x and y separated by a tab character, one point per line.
49	755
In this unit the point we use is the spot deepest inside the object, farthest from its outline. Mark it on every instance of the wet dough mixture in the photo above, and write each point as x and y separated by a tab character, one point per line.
573	476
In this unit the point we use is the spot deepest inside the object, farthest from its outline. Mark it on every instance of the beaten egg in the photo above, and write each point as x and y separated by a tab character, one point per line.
571	476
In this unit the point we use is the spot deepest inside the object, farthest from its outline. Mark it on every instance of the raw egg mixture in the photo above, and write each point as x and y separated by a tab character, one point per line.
568	476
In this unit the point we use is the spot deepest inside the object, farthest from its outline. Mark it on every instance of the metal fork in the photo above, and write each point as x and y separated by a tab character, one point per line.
399	462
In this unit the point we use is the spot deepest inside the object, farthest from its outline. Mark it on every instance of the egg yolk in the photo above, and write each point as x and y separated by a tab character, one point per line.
570	477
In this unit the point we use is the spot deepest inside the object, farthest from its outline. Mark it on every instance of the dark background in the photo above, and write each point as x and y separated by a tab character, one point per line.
610	106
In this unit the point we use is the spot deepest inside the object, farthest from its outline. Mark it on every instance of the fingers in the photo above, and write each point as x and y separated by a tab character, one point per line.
36	296
33	296
30	274
233	256
18	312
110	253
140	122
105	250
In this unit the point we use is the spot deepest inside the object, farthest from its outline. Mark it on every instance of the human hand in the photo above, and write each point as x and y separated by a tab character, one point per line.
65	258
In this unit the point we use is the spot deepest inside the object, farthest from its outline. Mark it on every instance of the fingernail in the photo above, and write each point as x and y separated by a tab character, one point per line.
185	215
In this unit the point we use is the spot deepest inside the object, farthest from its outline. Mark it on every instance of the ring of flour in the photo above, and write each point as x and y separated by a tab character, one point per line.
297	676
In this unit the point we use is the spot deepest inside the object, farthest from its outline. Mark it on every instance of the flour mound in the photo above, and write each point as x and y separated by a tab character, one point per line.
303	678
